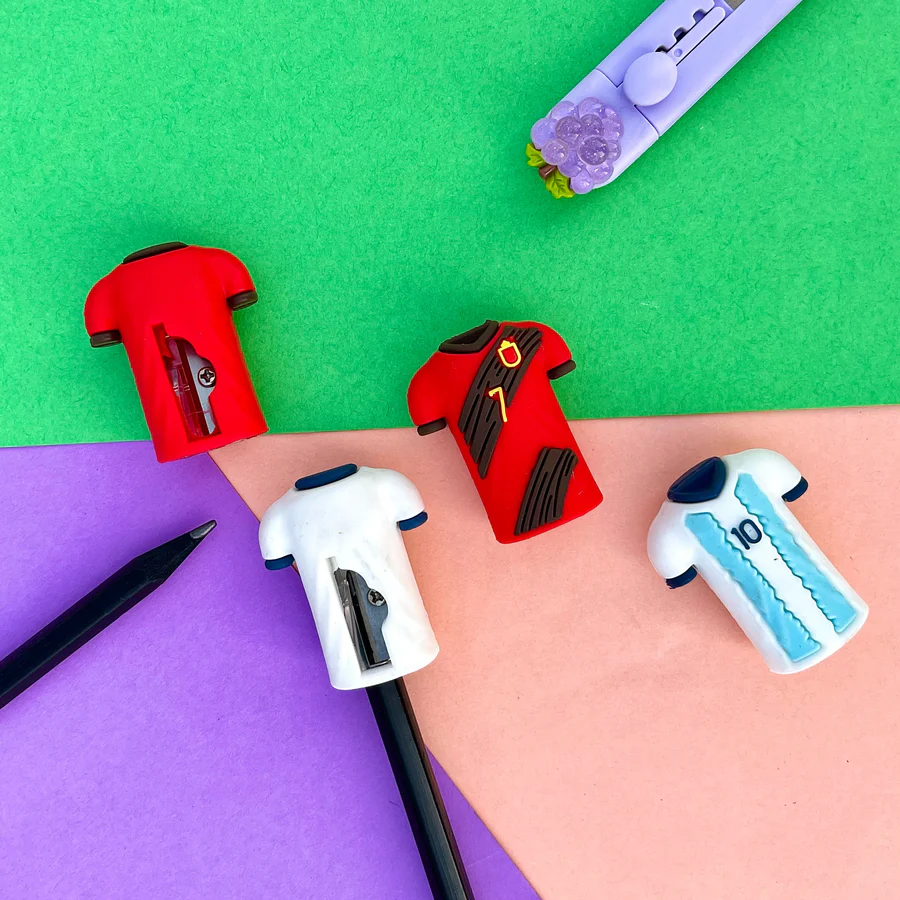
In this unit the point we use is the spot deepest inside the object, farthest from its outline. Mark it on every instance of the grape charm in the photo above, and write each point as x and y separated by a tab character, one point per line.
575	146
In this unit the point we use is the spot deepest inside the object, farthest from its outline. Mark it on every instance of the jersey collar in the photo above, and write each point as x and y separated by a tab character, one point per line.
471	341
702	483
329	476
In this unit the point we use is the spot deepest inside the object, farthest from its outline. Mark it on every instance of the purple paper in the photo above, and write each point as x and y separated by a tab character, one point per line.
195	749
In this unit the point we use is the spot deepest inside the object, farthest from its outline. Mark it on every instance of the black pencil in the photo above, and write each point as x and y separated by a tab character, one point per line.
419	791
93	612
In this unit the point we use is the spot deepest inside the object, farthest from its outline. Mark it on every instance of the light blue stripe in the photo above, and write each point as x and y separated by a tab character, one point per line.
834	605
794	639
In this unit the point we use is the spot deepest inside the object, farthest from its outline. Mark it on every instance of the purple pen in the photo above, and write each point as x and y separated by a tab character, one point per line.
645	85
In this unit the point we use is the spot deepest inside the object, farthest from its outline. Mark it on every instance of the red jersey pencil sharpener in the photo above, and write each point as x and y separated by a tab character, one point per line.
171	306
491	387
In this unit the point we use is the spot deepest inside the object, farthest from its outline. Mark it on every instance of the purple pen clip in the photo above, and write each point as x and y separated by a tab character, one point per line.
643	87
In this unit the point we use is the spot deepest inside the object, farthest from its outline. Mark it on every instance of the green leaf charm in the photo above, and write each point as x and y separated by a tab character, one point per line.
534	156
558	185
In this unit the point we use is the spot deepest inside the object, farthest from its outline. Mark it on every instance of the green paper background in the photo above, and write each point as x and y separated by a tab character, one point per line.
366	159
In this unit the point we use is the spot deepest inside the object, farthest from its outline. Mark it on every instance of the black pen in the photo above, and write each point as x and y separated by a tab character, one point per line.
93	612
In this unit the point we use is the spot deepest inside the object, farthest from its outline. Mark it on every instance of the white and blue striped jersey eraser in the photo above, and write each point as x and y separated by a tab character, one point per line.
343	530
727	519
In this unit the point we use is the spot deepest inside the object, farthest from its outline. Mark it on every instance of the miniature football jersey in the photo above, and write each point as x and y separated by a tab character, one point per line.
491	387
171	306
727	519
343	529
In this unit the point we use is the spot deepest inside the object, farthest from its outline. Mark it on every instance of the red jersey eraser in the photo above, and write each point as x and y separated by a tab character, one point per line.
171	306
491	387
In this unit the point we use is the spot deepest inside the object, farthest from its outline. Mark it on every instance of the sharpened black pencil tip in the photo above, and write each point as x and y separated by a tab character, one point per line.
94	612
199	533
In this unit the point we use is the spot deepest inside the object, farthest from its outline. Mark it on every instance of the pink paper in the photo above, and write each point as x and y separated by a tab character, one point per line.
626	741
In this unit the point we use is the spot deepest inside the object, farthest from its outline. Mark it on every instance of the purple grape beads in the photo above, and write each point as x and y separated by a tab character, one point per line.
581	141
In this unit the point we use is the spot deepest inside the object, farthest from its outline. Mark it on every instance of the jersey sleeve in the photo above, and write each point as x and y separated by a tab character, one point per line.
402	498
275	538
233	276
100	317
671	549
425	401
557	356
775	474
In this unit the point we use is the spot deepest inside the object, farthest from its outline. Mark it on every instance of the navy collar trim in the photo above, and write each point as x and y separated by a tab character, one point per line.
702	483
329	476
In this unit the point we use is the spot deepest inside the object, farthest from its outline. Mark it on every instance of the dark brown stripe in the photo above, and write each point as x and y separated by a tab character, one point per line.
545	496
480	419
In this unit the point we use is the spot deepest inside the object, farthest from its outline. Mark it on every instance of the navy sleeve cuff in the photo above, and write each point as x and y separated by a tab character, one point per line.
796	492
414	522
280	563
682	579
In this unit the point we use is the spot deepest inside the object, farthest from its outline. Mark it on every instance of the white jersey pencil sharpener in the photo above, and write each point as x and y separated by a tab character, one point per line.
727	519
343	530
